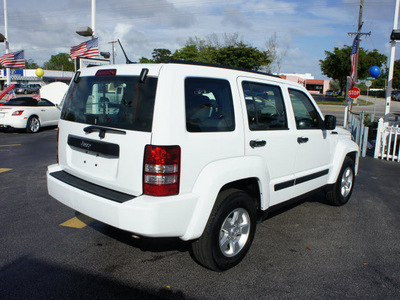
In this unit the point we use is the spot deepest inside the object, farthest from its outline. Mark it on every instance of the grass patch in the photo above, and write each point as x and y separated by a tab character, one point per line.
341	101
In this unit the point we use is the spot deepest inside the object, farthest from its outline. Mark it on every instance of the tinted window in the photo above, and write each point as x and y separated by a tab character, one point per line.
209	105
44	102
22	101
305	113
265	108
118	101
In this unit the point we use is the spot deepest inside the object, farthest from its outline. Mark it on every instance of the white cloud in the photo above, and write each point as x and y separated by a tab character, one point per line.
233	17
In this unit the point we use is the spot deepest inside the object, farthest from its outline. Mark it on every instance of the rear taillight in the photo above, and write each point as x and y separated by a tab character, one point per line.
161	172
17	113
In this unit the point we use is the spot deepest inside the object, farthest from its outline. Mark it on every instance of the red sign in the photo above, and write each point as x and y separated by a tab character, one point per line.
354	92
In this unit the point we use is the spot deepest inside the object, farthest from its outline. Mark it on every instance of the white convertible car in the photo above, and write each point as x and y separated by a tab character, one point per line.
31	114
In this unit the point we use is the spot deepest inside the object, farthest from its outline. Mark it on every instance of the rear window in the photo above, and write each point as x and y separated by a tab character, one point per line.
23	101
112	101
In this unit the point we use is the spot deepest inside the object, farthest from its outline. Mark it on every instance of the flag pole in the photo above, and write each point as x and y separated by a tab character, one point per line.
6	40
93	18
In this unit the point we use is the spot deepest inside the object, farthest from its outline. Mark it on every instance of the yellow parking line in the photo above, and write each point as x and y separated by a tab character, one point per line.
12	145
79	222
2	170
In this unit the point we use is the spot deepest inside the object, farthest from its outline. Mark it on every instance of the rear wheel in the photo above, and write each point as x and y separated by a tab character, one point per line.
339	193
33	124
229	232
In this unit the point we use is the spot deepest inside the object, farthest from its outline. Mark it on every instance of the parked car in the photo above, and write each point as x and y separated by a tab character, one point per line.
330	93
396	95
29	113
196	152
27	89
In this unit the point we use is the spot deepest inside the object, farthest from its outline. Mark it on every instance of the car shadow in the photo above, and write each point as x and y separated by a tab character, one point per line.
158	245
10	130
32	278
316	197
145	244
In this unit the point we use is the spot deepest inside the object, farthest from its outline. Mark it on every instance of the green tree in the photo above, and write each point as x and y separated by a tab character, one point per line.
30	64
60	61
243	56
189	52
161	55
334	85
336	64
144	60
232	52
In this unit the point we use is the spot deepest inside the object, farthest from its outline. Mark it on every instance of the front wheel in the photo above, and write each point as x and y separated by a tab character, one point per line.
229	232
339	193
33	125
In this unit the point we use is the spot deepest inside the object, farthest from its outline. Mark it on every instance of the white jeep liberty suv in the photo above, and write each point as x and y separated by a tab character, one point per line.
194	151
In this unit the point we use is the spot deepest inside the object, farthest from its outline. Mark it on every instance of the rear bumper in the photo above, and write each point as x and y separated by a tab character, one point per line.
15	122
142	215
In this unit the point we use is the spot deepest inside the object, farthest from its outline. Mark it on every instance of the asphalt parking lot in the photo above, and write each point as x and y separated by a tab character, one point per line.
309	250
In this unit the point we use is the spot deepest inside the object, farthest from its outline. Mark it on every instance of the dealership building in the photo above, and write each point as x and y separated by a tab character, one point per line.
25	76
314	86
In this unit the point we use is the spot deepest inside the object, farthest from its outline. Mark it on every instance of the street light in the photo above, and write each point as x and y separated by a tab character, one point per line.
395	36
106	55
84	31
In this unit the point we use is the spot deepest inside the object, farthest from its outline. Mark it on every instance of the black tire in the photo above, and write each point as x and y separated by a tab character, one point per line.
232	208
33	124
339	193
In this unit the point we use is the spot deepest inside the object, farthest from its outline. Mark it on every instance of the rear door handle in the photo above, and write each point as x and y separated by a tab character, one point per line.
254	143
302	140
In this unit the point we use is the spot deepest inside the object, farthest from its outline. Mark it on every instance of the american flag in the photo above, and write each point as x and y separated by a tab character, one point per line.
13	60
87	49
37	96
10	95
353	59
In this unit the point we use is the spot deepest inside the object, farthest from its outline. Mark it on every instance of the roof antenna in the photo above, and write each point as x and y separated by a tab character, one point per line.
126	57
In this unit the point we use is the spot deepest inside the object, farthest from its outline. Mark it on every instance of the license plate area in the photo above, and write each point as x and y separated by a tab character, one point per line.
100	159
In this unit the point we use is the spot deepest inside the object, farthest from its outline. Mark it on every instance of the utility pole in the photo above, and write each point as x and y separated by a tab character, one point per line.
391	62
113	50
360	34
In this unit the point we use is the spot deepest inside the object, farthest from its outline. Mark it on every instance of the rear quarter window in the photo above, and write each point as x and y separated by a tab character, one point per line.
209	105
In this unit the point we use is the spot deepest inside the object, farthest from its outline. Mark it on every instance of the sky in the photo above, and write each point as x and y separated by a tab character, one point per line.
304	29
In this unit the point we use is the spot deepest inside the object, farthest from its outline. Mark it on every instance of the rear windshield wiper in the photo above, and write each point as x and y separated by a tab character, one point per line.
102	130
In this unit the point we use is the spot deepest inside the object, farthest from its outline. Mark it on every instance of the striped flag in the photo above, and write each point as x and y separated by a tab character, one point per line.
10	95
13	60
37	96
353	59
87	49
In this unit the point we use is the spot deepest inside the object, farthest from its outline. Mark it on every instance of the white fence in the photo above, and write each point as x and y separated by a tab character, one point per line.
355	124
387	141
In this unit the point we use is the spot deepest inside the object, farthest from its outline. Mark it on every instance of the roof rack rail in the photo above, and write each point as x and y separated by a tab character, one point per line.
196	63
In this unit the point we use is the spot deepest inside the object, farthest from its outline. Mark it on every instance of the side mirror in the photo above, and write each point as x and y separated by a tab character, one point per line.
330	122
